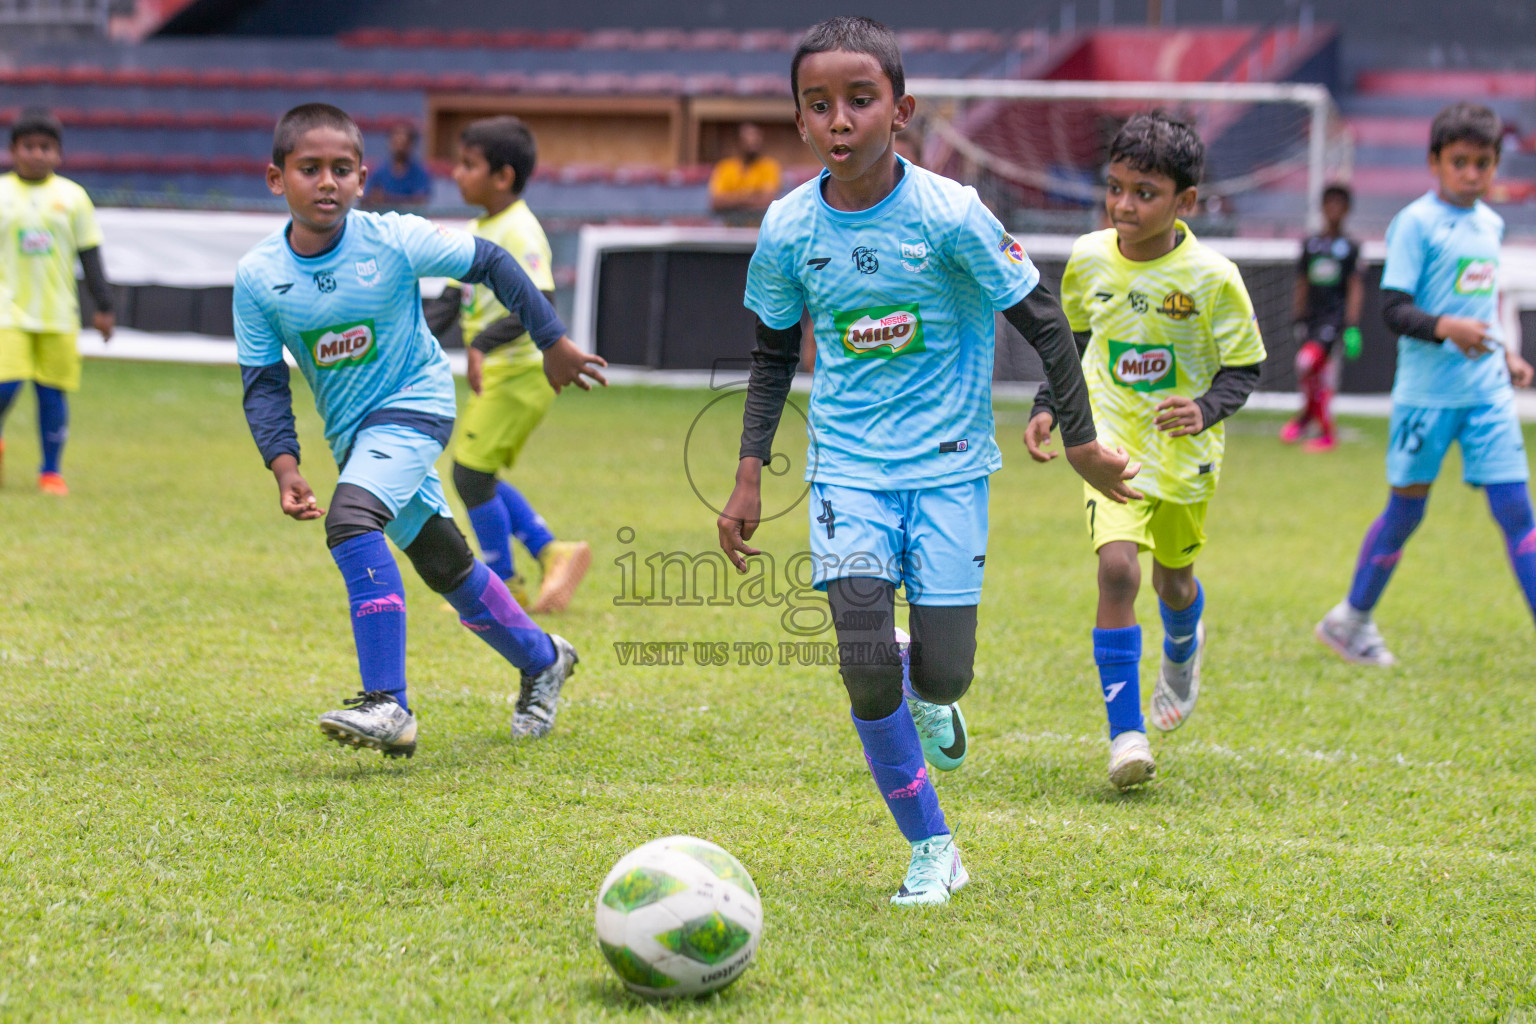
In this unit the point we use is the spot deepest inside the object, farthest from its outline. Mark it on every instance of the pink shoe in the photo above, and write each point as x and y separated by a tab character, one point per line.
1291	432
1320	444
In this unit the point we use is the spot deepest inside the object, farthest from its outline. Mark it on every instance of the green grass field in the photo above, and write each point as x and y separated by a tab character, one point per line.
1323	842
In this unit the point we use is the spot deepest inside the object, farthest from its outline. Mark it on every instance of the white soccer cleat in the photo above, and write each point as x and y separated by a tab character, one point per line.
934	874
539	698
1354	637
1178	687
1130	760
375	720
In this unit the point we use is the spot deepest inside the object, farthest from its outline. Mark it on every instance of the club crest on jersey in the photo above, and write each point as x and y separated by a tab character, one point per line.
914	254
325	281
1012	249
864	258
1142	367
349	344
1178	306
1325	271
1476	276
34	241
368	271
880	332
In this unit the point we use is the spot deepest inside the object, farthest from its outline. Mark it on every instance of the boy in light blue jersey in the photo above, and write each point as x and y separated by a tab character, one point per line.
902	271
338	290
1455	372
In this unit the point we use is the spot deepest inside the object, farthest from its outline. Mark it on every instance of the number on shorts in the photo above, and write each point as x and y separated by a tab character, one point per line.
1093	515
1409	436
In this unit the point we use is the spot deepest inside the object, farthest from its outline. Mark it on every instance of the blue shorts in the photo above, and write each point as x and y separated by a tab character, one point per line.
1492	447
396	465
933	541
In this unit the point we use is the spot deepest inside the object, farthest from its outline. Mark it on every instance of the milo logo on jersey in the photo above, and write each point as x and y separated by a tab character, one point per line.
343	345
880	332
34	241
1143	367
1476	276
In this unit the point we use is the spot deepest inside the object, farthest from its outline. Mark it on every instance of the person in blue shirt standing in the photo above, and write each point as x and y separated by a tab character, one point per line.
338	289
902	271
404	180
1455	373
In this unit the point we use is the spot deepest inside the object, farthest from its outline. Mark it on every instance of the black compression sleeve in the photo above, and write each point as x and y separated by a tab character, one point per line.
1039	318
1043	401
269	410
1403	317
774	361
1229	389
504	331
96	279
442	312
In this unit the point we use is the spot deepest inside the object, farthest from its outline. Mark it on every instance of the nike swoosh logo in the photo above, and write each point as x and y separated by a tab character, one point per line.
958	749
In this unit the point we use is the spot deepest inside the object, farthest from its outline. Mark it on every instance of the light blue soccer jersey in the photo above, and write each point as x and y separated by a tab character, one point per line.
1447	258
352	317
902	297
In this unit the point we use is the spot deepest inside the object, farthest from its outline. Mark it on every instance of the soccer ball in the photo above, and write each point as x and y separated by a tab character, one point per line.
678	917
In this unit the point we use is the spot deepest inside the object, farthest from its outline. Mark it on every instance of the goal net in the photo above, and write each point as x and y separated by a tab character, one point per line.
1036	150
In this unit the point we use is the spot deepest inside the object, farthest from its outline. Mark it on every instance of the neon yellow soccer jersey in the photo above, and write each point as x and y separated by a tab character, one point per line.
1160	328
518	231
43	225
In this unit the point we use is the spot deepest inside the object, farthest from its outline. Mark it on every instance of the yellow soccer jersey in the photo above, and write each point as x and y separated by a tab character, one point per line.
516	230
43	225
1160	328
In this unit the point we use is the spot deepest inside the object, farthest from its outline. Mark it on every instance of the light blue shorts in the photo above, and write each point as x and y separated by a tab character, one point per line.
396	465
1492	447
933	541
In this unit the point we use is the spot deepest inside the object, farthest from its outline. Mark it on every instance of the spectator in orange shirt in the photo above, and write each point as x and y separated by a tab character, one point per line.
741	187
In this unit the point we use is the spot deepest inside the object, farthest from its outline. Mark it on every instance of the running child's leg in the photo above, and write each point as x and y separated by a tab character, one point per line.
1511	507
1117	637
354	531
1383	546
1181	603
941	659
9	389
52	426
488	516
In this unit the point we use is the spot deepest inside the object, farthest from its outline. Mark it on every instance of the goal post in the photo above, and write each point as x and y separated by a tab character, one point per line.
1040	145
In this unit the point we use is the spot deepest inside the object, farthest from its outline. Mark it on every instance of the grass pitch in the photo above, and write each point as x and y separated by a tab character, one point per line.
1323	842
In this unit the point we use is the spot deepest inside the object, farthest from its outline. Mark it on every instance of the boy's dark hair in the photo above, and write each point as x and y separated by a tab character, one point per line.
1161	144
505	142
1341	191
1466	122
851	35
37	121
307	117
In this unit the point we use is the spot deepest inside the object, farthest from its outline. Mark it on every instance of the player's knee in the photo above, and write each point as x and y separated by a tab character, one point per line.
354	512
938	676
440	555
475	487
1119	570
874	690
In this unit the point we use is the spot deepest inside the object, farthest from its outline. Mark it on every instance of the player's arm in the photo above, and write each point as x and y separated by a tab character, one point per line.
104	320
564	363
1039	318
775	358
268	401
1405	318
1182	417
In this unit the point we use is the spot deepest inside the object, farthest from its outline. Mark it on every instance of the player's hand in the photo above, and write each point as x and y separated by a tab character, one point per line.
1179	416
1037	438
1467	334
474	369
743	511
564	364
1105	469
293	491
106	323
1520	371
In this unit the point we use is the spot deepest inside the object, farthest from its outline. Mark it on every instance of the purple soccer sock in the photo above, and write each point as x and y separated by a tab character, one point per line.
895	757
486	608
526	524
52	425
377	595
1511	507
493	529
1383	549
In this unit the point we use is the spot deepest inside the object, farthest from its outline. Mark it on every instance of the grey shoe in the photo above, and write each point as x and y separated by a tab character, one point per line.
1178	687
1130	760
540	696
1354	636
372	719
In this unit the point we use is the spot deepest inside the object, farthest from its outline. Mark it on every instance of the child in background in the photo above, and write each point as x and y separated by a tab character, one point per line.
46	222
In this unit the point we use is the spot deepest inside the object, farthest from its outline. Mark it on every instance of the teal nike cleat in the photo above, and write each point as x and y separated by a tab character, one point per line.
934	874
941	727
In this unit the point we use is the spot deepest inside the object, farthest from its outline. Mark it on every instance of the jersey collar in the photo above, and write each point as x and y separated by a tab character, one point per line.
1179	247
878	210
323	253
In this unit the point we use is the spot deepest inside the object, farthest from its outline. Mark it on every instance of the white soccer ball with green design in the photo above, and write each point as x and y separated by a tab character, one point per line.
678	917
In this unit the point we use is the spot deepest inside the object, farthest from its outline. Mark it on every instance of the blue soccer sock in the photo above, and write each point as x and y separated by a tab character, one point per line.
1383	549
1117	652
1511	506
8	391
52	425
895	757
493	529
486	608
377	595
527	525
1179	626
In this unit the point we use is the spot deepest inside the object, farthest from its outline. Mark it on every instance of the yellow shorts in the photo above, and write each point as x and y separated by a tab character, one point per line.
513	399
1174	533
48	357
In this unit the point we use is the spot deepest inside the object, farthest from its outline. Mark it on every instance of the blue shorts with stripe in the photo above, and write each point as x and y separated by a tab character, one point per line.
397	465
